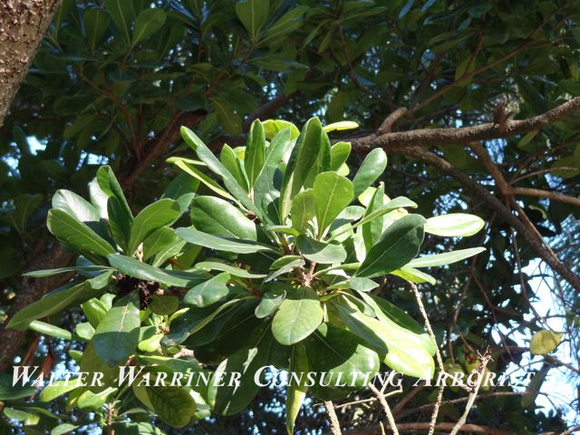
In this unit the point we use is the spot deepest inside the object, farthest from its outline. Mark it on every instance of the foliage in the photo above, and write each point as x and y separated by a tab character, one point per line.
290	287
114	80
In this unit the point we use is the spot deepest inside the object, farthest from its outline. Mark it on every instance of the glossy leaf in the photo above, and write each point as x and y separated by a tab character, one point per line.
218	217
270	302
303	210
209	292
255	152
173	405
219	243
298	316
148	22
370	170
117	335
445	258
319	252
454	225
332	193
159	214
396	247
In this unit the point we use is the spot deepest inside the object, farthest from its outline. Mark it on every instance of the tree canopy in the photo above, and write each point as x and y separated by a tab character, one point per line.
474	105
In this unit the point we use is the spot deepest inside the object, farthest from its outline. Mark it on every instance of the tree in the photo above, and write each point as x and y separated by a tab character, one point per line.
473	104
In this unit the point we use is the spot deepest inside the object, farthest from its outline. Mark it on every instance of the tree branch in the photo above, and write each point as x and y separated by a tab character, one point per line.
267	109
334	424
461	136
442	427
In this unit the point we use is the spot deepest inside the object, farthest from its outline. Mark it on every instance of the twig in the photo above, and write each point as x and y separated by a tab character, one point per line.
386	407
437	356
481	369
334	424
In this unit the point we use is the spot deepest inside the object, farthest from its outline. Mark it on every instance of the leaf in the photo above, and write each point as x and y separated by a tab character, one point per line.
534	387
148	22
92	363
75	206
228	117
209	292
319	252
296	391
119	222
96	24
13	392
58	300
302	159
159	214
219	243
117	335
174	405
89	401
396	247
78	269
146	272
332	193
340	356
232	270
339	154
77	235
205	154
445	258
371	168
298	316
220	218
362	284
253	15
340	126
255	152
544	342
158	240
58	388
272	127
232	163
414	275
285	269
270	302
303	210
234	397
454	225
123	14
50	330
110	185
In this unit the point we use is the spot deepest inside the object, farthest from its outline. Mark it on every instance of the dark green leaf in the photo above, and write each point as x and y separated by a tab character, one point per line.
298	316
209	292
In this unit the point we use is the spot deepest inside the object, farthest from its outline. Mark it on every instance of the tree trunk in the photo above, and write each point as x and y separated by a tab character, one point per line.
23	24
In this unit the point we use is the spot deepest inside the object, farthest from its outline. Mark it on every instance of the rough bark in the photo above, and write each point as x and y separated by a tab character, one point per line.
23	24
31	289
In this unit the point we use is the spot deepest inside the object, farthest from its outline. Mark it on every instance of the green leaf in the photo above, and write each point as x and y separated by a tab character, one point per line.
232	270
62	429
454	225
303	210
78	269
332	194
219	243
119	222
110	185
85	331
77	235
319	252
299	262
209	292
341	355
272	127
362	284
205	154
57	389
96	24
544	342
50	330
396	247
270	302
75	206
159	214
445	258
339	154
220	218
371	168
298	316
174	405
414	275
302	159
232	163
233	398
146	272
158	240
340	126
58	300
91	362
89	401
123	14
296	391
13	392
148	22
253	15
534	387
117	335
255	152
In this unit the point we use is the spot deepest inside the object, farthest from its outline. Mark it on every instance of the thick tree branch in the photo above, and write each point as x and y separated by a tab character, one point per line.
441	427
461	136
22	27
268	109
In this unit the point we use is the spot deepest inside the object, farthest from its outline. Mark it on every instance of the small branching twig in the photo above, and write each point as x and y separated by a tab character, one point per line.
386	407
334	424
